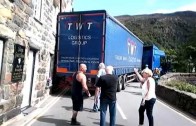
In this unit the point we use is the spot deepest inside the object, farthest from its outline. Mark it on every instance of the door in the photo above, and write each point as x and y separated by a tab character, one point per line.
28	83
78	34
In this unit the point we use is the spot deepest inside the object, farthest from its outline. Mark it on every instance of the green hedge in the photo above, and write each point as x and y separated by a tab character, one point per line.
183	86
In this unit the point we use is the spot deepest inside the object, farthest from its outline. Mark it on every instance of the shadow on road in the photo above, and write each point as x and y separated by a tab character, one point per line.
107	124
57	122
135	93
133	86
61	122
69	108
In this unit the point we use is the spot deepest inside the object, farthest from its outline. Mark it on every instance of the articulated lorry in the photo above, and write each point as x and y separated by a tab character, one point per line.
92	37
152	56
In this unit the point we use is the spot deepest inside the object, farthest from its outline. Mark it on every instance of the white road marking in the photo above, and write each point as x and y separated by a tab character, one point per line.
120	110
176	111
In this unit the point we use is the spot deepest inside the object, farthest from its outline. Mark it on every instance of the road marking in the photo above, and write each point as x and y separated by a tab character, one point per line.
176	111
47	107
120	110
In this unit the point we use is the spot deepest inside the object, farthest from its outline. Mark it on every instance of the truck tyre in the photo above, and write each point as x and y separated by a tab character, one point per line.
136	79
124	82
119	86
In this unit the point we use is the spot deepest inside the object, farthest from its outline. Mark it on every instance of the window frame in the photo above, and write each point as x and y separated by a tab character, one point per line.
37	10
1	56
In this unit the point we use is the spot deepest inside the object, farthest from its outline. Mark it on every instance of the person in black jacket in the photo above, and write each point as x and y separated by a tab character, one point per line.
108	84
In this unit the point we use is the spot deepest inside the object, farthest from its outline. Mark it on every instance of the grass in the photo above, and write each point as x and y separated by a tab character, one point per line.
183	86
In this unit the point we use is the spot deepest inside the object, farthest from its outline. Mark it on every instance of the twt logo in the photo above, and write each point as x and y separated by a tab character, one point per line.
78	26
131	45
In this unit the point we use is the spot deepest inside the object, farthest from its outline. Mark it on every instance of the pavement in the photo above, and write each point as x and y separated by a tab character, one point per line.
31	113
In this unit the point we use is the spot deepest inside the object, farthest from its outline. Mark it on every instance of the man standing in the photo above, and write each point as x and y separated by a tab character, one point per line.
108	84
101	72
79	84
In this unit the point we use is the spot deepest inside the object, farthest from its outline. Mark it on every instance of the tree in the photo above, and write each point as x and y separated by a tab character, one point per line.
190	50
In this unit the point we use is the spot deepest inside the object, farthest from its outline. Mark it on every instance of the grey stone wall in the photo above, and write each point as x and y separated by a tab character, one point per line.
184	101
19	26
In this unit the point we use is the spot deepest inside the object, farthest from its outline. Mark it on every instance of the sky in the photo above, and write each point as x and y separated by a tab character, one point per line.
135	7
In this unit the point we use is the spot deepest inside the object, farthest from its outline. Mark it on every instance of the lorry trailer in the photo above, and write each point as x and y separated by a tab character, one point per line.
92	37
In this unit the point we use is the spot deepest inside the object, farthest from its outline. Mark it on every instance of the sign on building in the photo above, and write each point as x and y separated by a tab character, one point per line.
18	63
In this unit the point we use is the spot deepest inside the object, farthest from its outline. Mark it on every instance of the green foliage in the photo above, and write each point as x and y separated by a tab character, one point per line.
174	33
190	49
183	86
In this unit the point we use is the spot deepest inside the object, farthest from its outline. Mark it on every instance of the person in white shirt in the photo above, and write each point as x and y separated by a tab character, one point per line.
100	73
148	96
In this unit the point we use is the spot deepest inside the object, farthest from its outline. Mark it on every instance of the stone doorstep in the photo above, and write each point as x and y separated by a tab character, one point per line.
28	118
14	119
28	110
25	116
25	119
28	114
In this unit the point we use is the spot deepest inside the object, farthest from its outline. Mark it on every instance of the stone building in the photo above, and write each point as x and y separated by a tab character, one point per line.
27	45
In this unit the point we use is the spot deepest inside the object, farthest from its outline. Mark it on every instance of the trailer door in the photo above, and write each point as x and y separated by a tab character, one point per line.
92	42
67	48
80	40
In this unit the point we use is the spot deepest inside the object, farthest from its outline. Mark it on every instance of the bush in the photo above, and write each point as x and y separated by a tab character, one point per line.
183	86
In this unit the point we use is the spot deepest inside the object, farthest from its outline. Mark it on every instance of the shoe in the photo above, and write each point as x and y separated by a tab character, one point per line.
74	122
95	110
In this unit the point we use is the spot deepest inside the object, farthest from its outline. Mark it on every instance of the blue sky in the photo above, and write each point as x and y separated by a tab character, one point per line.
135	7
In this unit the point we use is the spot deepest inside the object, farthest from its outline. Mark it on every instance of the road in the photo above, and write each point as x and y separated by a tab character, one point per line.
58	112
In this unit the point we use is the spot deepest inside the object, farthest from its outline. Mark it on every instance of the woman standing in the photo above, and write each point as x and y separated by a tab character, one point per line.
148	96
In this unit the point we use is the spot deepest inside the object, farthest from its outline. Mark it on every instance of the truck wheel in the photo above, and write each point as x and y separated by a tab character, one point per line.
124	82
136	79
119	86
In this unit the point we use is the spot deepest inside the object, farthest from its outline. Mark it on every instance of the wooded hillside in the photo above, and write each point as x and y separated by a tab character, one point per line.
175	33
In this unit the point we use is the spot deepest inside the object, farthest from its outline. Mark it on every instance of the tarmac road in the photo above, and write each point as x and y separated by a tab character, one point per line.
57	111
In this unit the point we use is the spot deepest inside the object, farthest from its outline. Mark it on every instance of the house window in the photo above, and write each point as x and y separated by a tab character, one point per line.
1	55
37	9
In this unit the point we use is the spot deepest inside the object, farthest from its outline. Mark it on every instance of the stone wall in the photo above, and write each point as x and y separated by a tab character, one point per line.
182	100
19	25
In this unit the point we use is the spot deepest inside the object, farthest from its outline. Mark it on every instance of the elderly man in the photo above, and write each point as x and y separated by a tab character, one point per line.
79	84
108	84
101	72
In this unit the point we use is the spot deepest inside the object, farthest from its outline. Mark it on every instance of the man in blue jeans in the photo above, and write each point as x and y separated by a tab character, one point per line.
108	84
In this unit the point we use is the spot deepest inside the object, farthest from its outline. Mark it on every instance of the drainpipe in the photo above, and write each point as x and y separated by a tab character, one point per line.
60	6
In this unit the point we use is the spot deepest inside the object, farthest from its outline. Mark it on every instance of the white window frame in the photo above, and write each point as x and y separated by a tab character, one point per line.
37	11
1	55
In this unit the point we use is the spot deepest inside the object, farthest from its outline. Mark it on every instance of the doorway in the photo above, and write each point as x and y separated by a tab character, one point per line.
28	83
